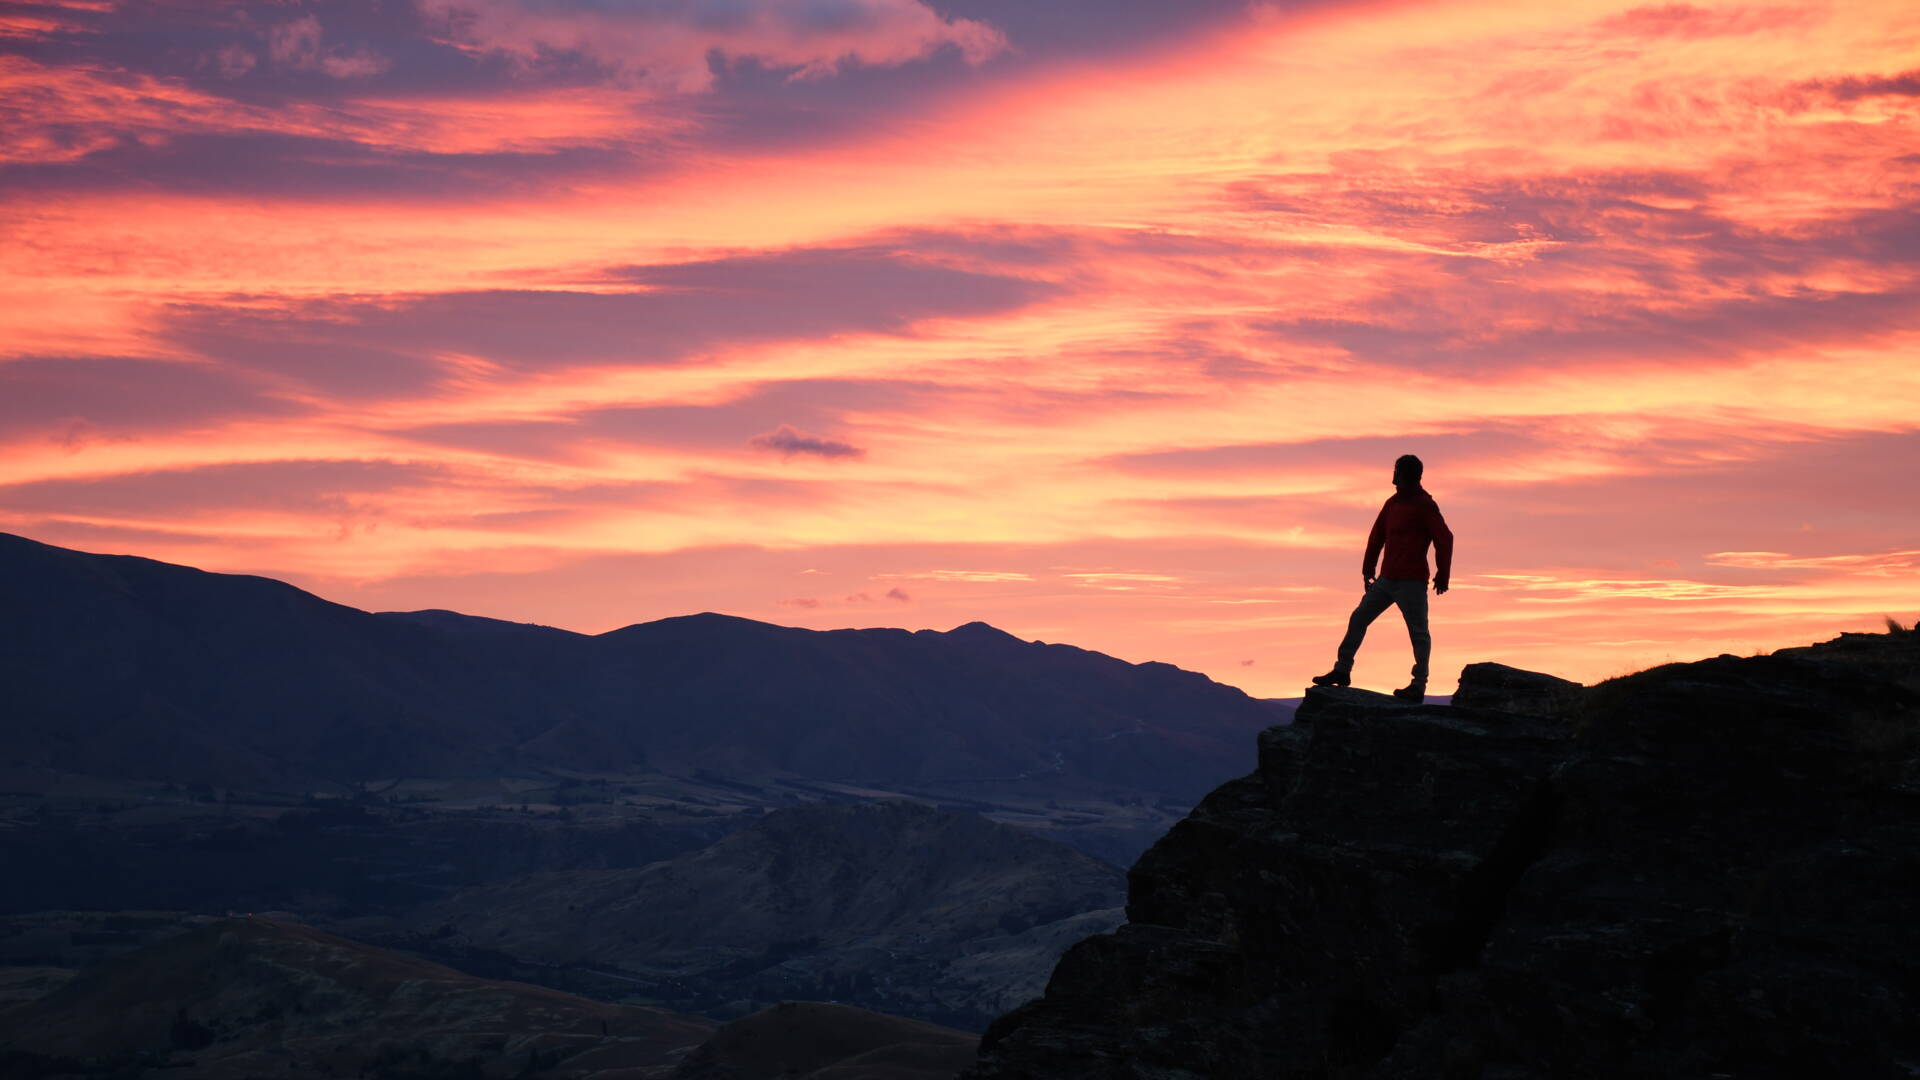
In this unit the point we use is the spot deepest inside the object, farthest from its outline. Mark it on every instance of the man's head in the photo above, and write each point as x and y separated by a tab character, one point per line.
1406	471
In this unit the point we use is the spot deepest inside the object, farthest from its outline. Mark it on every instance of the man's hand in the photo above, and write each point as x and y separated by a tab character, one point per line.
1366	581
1439	585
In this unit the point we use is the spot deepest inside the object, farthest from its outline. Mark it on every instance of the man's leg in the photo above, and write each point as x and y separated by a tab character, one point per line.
1375	600
1412	598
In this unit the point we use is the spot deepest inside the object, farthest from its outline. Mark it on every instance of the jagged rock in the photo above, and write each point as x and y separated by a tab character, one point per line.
1702	869
1511	689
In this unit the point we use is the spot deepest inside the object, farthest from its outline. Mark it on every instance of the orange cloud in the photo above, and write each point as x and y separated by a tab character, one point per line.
1879	564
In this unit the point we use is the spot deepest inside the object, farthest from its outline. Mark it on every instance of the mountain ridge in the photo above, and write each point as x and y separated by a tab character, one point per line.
127	666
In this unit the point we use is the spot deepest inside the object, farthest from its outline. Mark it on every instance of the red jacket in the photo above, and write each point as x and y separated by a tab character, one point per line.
1407	524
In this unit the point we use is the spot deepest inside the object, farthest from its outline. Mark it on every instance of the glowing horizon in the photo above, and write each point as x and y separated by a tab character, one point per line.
1101	324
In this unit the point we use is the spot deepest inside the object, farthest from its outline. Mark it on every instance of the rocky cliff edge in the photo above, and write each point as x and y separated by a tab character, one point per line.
1704	869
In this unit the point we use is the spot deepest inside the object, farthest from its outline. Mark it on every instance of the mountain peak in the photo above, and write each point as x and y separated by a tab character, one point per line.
700	621
980	630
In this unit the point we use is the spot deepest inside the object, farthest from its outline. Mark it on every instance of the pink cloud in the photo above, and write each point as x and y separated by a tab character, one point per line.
668	46
1693	21
298	44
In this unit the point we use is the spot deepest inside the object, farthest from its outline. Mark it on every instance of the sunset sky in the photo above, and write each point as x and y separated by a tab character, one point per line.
1098	320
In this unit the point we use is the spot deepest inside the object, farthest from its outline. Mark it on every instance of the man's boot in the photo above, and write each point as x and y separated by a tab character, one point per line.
1339	676
1413	691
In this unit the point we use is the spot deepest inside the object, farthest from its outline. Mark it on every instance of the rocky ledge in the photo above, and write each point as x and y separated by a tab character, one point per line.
1705	869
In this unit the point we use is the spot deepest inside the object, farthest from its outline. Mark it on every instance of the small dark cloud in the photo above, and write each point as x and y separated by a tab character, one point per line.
788	441
1246	663
859	598
1852	87
800	602
898	594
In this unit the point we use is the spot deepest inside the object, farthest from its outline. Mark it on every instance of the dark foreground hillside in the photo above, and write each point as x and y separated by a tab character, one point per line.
1702	870
907	909
254	997
233	999
896	907
812	1040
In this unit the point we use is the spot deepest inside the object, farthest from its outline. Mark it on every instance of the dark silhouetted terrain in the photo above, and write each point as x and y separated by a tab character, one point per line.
1705	869
125	667
252	997
809	1040
896	907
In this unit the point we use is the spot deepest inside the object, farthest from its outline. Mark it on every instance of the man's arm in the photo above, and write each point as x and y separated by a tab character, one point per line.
1442	547
1375	541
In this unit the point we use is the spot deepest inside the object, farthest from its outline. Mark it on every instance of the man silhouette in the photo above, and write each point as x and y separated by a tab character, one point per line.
1407	524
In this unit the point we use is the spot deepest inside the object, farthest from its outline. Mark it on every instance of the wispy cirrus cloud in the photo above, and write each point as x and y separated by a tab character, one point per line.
1879	564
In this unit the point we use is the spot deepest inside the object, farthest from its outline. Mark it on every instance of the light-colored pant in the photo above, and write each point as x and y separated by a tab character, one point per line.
1384	593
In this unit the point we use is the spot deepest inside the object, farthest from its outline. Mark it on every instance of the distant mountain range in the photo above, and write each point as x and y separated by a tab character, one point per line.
126	667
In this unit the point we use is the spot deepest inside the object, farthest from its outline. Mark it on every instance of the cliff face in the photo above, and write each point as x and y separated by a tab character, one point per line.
1707	868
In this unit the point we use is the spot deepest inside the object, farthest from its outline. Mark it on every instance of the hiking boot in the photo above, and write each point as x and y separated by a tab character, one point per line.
1413	691
1336	677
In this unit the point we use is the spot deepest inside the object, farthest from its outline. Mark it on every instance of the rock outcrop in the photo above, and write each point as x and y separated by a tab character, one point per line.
1701	869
